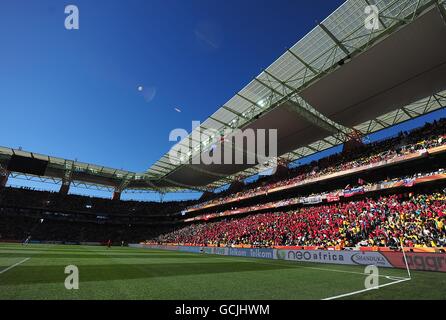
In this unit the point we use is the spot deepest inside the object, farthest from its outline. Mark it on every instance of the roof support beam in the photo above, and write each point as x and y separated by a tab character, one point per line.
157	171
163	167
216	120
234	112
440	6
305	110
335	40
328	142
312	149
437	100
204	133
67	177
196	141
123	185
207	172
407	113
308	66
296	154
167	163
272	89
249	100
185	185
382	123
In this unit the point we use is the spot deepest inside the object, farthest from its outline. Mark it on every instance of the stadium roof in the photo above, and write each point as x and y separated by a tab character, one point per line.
340	78
81	174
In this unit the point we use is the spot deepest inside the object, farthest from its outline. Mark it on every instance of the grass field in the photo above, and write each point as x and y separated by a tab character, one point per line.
37	272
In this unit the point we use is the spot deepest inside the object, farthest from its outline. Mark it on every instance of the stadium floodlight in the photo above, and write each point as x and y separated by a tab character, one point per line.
263	103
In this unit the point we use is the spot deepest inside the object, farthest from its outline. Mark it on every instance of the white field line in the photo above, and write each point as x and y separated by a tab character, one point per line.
397	279
353	272
365	290
14	265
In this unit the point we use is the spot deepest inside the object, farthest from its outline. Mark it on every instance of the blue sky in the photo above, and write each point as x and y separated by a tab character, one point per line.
74	94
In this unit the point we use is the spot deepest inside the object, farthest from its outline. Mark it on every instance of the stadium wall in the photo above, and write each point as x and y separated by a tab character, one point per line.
421	261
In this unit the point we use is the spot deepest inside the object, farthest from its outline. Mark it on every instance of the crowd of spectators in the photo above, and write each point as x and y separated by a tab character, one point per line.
416	220
429	136
365	187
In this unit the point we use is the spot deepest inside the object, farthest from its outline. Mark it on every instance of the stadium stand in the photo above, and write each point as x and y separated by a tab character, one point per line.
419	220
429	136
75	218
17	227
379	219
25	197
370	217
333	195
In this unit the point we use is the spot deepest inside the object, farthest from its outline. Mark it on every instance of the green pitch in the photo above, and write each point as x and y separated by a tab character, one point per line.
37	272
